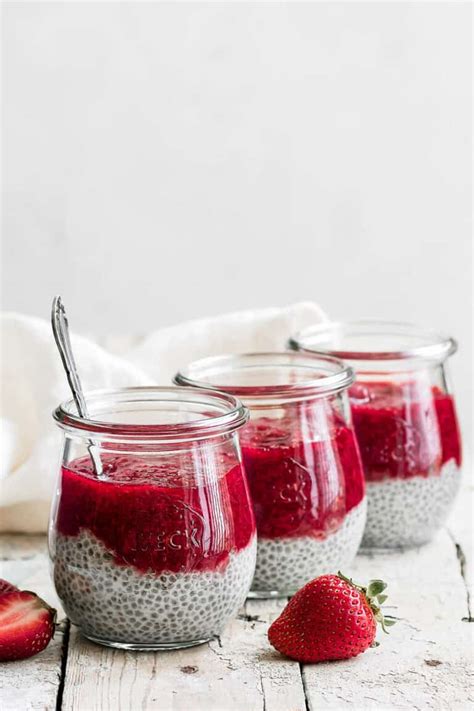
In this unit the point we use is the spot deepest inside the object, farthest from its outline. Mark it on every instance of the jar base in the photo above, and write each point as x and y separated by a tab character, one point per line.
368	549
269	594
146	647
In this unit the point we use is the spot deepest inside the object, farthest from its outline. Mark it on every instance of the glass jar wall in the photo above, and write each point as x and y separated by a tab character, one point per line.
301	460
154	546
405	421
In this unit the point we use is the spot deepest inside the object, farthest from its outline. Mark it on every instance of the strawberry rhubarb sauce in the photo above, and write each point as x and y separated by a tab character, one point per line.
409	442
159	549
308	497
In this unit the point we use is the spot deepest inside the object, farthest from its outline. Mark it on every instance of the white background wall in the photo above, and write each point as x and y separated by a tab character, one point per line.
167	161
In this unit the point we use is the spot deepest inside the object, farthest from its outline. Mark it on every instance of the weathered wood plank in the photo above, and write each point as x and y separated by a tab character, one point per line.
31	683
425	662
24	561
239	671
460	527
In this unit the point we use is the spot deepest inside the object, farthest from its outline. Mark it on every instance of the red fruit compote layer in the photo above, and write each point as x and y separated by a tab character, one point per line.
307	488
159	550
410	446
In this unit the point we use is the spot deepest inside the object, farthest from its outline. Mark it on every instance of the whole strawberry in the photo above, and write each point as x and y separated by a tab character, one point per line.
26	625
330	618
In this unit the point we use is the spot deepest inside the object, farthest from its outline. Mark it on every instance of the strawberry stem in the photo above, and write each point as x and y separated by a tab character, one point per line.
375	599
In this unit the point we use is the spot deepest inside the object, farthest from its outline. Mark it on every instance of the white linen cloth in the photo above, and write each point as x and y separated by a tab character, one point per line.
33	384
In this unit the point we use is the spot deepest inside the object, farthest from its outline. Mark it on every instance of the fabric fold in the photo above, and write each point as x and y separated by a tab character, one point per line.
33	384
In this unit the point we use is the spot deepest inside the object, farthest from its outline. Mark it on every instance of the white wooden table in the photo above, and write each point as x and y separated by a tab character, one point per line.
425	663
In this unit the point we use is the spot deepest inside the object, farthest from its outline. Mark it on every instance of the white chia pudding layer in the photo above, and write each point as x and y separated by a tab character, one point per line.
408	512
286	564
120	604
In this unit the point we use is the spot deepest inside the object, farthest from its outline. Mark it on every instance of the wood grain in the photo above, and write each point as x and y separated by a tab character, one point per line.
425	663
238	671
31	683
460	527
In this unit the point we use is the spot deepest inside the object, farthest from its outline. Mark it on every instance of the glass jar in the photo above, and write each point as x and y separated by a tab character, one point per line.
301	460
405	421
156	550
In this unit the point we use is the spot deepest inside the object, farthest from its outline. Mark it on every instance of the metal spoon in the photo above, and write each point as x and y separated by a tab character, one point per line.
61	336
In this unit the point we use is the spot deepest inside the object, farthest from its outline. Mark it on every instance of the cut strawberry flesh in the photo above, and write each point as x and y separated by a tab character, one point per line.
20	607
26	625
6	587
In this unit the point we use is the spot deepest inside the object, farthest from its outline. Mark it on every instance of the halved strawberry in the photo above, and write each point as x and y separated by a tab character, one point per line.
26	625
6	587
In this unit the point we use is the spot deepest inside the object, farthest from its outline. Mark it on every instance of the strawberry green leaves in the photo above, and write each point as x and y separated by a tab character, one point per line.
375	587
375	598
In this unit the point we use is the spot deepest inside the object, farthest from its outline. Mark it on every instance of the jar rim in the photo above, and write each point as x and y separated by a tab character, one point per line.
229	415
415	342
333	375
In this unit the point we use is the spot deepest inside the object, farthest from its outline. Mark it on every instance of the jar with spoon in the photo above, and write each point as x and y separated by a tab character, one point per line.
152	533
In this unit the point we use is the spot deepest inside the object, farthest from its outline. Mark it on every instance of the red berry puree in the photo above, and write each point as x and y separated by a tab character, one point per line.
301	486
160	517
404	430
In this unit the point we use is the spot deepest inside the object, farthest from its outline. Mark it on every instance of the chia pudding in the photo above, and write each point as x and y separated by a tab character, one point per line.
301	459
410	446
149	555
405	420
309	502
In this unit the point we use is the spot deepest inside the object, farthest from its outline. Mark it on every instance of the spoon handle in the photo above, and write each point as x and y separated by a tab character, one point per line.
60	327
